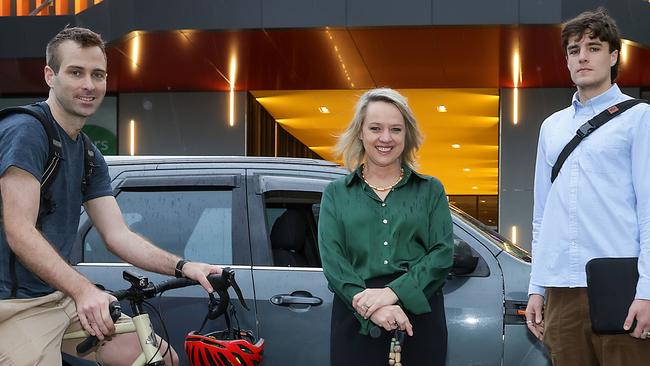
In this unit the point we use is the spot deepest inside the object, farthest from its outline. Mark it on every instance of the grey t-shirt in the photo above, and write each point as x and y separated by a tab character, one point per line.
23	144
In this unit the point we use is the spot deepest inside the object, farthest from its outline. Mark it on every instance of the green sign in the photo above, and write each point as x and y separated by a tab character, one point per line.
104	139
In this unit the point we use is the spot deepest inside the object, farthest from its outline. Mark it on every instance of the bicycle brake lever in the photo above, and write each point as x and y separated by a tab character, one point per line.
218	308
240	296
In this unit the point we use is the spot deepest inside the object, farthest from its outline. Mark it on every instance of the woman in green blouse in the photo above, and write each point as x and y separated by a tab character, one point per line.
385	238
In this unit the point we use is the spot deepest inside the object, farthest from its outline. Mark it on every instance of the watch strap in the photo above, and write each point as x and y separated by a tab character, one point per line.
178	271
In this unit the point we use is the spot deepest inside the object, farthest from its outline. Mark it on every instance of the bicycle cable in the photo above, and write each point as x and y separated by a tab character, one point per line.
213	303
164	326
234	315
165	332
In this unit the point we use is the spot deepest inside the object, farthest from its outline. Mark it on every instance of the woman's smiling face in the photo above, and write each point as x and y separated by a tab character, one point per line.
383	133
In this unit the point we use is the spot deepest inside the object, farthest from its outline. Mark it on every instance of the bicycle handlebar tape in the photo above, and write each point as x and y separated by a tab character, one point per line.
89	343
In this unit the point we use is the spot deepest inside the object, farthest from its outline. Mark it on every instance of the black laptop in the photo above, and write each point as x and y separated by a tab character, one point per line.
611	286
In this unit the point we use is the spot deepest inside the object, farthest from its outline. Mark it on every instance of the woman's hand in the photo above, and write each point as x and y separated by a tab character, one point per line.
370	300
392	317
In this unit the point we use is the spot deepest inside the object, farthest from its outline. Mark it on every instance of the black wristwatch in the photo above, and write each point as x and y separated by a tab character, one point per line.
178	272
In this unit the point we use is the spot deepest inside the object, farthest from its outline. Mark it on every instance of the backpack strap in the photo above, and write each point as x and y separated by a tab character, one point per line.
89	161
588	128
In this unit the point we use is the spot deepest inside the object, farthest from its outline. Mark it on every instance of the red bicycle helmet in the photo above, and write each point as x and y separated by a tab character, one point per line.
222	348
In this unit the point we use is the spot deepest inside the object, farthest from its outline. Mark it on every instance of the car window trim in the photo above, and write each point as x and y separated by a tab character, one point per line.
226	181
268	183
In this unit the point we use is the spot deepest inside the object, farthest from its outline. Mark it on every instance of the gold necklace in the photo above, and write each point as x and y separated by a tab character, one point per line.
382	189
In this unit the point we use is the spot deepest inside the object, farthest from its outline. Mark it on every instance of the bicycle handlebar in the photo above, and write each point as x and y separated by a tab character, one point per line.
220	284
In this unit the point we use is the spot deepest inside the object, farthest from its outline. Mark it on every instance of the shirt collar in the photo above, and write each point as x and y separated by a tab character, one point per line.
408	172
598	103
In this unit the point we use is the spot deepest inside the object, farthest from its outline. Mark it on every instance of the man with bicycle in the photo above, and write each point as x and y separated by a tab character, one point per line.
41	295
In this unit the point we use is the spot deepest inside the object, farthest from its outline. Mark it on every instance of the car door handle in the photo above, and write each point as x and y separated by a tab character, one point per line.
296	298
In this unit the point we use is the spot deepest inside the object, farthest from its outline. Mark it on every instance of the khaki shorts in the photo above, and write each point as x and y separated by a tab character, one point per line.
31	331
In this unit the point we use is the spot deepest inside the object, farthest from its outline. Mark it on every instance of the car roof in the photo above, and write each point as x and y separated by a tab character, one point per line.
123	163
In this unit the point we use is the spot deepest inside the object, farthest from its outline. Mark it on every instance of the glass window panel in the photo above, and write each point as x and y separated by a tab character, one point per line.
196	225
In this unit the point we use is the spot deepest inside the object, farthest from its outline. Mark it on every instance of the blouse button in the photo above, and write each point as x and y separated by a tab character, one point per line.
383	204
385	243
385	262
385	221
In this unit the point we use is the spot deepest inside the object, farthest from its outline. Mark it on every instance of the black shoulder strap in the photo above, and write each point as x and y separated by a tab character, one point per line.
589	127
55	147
89	160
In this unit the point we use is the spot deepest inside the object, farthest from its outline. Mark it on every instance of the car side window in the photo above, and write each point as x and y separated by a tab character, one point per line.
291	227
193	224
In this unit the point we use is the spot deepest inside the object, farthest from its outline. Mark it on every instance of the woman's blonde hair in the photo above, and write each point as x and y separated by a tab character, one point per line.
350	146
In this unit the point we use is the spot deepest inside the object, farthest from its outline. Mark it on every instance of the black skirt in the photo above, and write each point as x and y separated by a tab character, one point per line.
428	346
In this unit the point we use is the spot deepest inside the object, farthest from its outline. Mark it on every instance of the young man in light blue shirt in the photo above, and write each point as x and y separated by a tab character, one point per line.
599	205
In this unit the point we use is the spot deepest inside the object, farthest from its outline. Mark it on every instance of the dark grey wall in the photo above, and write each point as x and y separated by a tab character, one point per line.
182	123
27	36
517	150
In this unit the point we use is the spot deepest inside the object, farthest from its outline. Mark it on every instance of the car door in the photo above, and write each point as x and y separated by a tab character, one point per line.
195	214
474	306
292	298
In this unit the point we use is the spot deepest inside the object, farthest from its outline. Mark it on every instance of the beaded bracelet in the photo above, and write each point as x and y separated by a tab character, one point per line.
395	352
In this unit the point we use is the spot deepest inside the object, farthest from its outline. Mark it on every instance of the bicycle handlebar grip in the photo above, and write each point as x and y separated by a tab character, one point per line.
115	309
173	284
87	344
217	281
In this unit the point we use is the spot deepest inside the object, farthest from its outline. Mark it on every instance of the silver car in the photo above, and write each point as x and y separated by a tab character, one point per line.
259	216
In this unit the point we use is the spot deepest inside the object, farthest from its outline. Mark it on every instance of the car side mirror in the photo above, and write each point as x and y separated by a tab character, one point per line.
464	260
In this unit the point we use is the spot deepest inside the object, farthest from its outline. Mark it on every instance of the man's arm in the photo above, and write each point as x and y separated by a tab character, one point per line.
131	247
21	200
542	185
640	308
535	307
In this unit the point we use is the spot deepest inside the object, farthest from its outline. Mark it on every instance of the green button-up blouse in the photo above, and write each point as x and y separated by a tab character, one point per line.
362	237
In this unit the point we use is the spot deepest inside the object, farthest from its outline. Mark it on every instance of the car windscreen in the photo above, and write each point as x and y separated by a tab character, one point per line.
496	238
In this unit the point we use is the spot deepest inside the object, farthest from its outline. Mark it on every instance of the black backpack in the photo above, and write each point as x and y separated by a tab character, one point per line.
55	154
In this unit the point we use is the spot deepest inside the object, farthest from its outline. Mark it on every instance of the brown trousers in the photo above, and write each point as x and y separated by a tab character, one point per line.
570	341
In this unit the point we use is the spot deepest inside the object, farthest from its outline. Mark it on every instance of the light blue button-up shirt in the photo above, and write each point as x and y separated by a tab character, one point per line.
599	205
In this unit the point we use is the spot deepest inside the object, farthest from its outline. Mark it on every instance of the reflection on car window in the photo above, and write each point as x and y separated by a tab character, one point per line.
496	238
196	225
